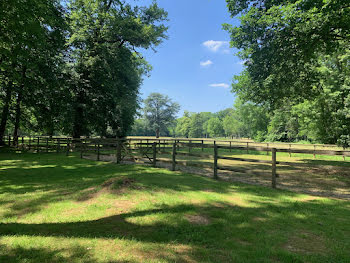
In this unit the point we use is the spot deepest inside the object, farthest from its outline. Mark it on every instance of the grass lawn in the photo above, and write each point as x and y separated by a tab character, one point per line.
55	208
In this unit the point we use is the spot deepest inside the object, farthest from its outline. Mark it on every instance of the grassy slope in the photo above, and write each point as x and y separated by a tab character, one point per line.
58	209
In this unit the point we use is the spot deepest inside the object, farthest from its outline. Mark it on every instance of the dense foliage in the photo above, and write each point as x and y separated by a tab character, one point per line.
297	65
72	67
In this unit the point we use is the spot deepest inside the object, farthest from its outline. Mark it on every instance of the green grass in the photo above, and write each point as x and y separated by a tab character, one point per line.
55	208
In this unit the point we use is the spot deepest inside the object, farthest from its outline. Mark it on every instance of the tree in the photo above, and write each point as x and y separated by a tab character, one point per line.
183	125
281	41
296	52
160	111
107	70
215	127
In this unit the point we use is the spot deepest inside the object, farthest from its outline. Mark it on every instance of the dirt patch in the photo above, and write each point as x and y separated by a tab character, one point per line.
305	242
321	180
121	184
198	219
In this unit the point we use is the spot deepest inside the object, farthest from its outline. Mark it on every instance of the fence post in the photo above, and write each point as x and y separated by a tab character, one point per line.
67	152
81	148
314	151
215	161
58	144
273	167
189	146
247	147
37	146
29	143
98	151
119	151
47	145
173	167
22	143
9	140
154	147
290	150
230	146
267	151
202	145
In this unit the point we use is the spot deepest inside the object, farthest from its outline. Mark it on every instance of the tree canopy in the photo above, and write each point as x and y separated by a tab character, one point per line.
296	54
74	67
160	112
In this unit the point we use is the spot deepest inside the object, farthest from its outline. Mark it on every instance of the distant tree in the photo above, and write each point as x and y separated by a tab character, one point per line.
160	112
183	125
140	128
197	122
215	127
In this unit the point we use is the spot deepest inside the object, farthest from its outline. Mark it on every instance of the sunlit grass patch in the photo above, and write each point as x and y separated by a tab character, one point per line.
74	210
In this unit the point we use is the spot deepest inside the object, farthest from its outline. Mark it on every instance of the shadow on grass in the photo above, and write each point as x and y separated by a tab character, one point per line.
57	177
263	227
328	162
267	227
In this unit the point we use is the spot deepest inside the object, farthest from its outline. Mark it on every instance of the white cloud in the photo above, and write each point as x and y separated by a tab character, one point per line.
206	63
220	85
215	46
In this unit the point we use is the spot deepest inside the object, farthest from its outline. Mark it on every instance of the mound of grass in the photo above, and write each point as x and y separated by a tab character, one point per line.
55	208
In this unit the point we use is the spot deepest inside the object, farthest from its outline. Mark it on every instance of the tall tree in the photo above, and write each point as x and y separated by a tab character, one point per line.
215	127
160	111
106	68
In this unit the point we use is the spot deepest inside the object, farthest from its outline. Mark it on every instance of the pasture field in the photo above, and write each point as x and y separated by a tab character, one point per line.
55	208
322	175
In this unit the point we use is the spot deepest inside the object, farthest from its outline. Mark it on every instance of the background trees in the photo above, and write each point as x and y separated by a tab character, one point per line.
160	112
31	41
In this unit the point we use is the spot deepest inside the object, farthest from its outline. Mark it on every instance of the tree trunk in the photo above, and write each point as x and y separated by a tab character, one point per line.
157	133
17	118
18	107
5	113
78	122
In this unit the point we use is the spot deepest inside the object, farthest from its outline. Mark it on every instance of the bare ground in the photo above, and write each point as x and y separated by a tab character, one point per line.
321	180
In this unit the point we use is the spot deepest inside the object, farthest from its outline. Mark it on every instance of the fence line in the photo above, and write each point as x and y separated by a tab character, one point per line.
150	149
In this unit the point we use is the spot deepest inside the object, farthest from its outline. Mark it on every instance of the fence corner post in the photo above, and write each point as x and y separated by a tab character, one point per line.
173	167
274	167
154	147
215	161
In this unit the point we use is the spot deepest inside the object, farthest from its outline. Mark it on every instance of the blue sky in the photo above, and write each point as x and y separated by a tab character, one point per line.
195	66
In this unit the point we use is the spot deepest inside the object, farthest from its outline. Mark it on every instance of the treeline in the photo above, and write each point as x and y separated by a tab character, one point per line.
71	67
290	123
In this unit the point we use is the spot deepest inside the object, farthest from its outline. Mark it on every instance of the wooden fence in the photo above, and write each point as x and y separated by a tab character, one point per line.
152	151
